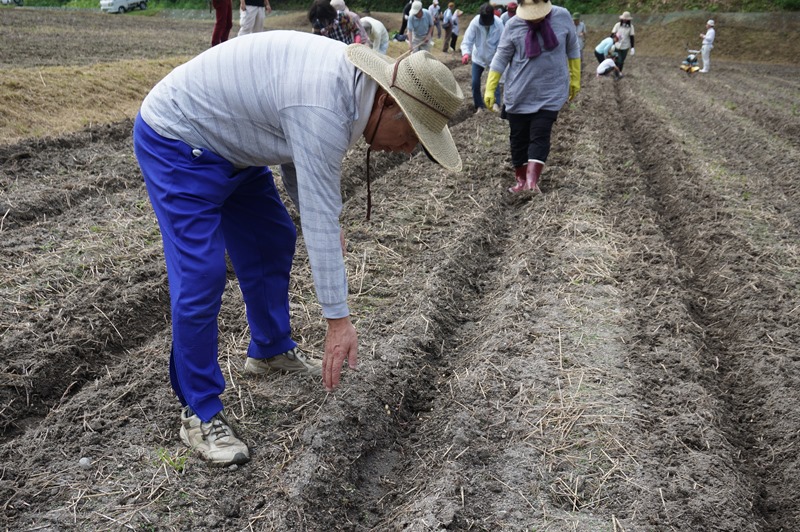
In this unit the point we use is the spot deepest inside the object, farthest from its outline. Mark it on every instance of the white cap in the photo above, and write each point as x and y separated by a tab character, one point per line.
710	22
338	5
416	7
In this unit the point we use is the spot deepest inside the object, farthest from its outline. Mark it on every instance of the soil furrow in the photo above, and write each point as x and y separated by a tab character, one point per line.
36	186
683	452
709	250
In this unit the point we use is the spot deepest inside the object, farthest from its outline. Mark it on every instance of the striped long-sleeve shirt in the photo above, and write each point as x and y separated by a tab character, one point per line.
278	97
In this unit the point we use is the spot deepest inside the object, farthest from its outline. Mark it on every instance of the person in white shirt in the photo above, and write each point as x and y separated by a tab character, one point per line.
436	13
479	45
708	44
608	66
377	33
204	138
625	33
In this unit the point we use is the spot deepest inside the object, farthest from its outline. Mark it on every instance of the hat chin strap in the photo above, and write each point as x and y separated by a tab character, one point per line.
382	99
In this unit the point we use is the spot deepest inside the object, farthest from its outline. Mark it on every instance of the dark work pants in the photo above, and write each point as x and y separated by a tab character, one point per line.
530	136
224	23
620	60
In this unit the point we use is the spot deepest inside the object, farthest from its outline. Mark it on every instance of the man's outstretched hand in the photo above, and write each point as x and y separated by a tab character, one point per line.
341	343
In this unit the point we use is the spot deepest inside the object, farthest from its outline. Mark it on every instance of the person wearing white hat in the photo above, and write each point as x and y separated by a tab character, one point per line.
624	31
377	34
203	139
420	28
541	51
708	43
436	13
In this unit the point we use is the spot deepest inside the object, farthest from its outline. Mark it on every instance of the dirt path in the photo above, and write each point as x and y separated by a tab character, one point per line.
618	353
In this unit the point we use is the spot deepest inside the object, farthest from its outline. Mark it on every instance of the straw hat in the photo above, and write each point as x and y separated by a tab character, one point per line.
426	91
625	16
533	9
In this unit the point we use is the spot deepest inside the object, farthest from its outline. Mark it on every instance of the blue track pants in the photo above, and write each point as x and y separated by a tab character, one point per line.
204	207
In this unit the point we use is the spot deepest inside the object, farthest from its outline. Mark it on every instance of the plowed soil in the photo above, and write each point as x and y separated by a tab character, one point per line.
617	353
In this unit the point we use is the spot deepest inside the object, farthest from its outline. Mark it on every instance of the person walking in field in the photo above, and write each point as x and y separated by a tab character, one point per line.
511	10
436	13
708	43
624	32
223	12
377	34
479	45
580	31
454	28
447	25
540	49
203	139
420	28
404	22
251	16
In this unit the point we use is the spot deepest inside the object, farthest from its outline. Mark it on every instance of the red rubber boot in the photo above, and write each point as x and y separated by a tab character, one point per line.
519	174
532	176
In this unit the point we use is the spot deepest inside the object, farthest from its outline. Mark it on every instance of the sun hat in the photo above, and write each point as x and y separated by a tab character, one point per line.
710	23
533	9
416	7
426	91
625	16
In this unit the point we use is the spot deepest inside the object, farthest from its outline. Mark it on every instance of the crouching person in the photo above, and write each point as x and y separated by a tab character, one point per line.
608	66
204	138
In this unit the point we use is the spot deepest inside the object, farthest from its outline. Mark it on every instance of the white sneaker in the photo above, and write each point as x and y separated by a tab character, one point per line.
496	108
215	441
292	361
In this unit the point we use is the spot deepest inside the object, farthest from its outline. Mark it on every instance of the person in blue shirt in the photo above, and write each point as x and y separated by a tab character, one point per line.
420	28
479	45
602	49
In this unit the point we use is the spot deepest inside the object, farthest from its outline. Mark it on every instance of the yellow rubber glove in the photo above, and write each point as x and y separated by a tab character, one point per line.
491	85
574	77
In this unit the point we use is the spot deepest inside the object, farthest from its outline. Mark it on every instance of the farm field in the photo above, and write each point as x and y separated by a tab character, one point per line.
619	353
